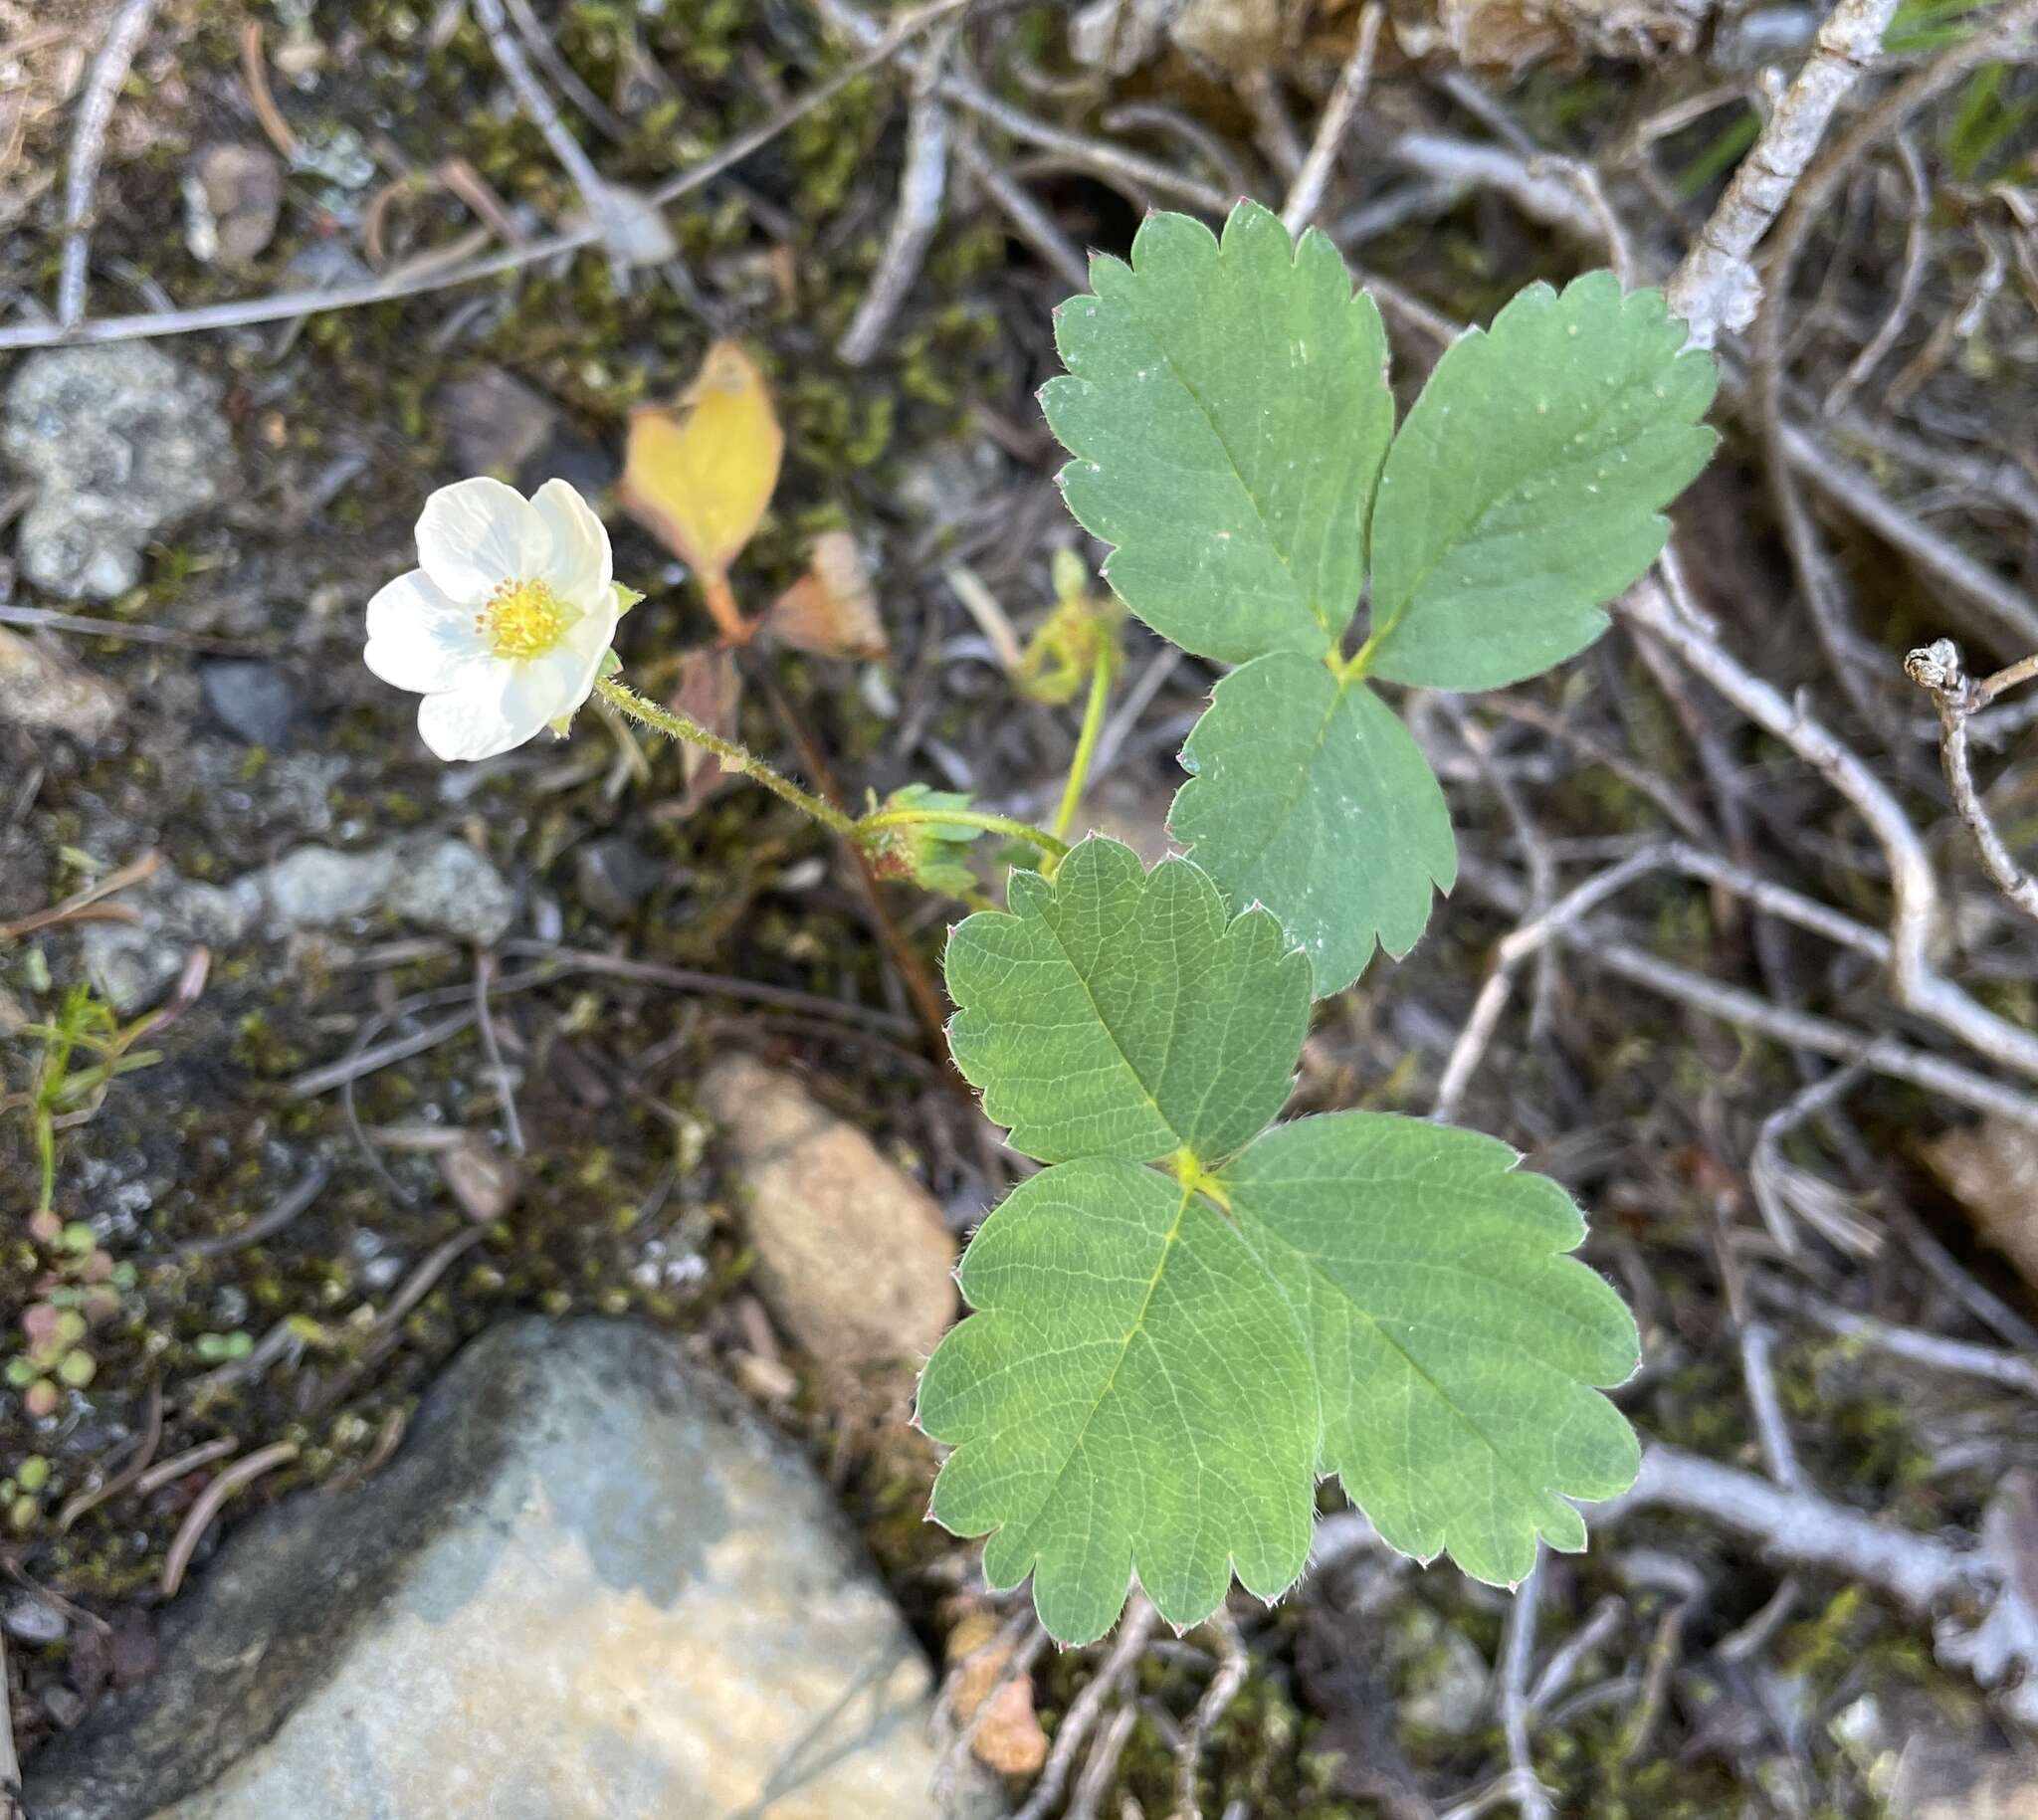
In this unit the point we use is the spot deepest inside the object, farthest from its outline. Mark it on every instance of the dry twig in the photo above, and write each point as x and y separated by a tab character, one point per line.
603	212
922	182
266	1225
1915	910
88	146
1994	1365
199	1518
1232	1664
1306	193
1958	698
1518	1650
1077	1723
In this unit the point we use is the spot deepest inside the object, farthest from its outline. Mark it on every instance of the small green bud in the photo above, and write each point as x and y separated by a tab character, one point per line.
928	853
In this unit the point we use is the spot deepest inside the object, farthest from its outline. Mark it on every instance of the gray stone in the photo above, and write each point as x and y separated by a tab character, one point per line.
232	201
41	687
134	964
120	441
588	1587
314	887
449	886
495	421
611	876
28	1619
253	700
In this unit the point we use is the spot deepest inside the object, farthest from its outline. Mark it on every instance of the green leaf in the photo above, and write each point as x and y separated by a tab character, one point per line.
1124	1013
1455	1344
1132	1396
1309	796
1523	489
1229	411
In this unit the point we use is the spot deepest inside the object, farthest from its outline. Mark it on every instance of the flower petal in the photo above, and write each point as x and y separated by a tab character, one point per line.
476	720
579	658
417	637
581	567
476	534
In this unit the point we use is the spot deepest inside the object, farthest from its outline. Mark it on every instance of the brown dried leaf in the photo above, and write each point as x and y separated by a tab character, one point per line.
832	610
710	690
698	472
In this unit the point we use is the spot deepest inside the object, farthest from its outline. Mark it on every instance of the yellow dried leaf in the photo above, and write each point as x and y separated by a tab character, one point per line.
698	472
832	610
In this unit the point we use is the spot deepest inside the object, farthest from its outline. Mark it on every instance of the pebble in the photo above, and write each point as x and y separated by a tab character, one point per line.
851	1254
446	886
253	700
611	877
121	441
43	690
494	421
28	1619
232	199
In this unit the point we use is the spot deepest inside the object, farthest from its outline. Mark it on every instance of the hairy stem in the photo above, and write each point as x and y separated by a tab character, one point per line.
1007	825
733	758
1085	744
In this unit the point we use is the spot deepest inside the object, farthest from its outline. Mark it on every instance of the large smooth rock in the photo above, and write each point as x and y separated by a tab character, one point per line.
120	440
588	1588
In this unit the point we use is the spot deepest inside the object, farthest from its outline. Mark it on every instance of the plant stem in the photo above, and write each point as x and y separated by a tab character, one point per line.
1006	825
1086	743
720	600
733	758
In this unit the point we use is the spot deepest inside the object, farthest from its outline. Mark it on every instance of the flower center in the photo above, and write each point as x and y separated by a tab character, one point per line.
522	619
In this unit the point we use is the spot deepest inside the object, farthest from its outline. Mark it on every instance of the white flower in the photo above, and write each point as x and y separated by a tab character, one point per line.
505	628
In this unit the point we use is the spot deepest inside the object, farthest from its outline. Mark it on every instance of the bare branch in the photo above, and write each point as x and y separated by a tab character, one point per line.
1543	196
1716	288
1598	946
1994	1365
1802	1527
2006	610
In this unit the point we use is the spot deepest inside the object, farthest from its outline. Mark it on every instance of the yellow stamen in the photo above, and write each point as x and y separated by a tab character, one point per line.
523	619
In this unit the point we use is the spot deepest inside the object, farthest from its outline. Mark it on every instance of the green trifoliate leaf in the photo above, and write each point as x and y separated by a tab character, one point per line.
1132	1396
1525	489
1456	1346
930	854
1124	1013
1309	796
1228	409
